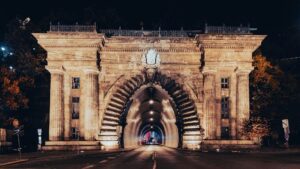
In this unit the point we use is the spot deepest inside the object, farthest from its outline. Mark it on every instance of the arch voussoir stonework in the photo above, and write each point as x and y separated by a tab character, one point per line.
186	108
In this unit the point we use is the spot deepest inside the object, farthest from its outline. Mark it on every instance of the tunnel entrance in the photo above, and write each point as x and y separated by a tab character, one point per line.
151	109
151	119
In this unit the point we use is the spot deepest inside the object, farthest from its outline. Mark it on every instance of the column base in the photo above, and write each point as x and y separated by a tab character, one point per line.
225	145
71	145
5	146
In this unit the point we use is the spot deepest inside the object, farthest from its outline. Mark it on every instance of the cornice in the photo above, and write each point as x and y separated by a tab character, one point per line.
183	50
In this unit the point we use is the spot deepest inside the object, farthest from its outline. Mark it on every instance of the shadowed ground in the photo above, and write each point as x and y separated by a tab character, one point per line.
150	157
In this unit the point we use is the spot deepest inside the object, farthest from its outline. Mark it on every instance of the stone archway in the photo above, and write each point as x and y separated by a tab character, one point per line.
186	116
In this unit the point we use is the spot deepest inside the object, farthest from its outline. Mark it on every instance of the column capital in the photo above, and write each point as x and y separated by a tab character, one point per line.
243	71
55	69
91	71
209	72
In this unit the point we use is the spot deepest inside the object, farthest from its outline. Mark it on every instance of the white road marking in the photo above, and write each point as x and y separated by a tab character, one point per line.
111	158
154	160
154	165
89	166
103	161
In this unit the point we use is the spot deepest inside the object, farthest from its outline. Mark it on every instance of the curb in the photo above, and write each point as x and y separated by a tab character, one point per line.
13	162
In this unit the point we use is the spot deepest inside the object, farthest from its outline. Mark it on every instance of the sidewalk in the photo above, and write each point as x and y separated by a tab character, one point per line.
13	158
258	150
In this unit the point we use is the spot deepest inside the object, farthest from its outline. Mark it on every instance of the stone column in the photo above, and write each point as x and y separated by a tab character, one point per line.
101	102
56	121
67	106
218	95
243	106
91	106
209	106
232	106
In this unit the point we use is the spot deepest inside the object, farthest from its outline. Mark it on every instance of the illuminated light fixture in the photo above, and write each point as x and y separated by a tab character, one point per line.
151	101
151	127
151	119
3	48
151	112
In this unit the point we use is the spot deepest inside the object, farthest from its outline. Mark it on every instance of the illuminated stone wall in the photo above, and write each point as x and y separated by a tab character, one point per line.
103	64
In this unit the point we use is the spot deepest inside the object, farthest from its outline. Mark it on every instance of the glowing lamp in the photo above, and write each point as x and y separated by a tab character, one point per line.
151	101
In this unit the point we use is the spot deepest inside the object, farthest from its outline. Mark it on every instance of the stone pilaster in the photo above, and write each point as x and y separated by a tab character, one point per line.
243	106
218	95
101	102
209	106
232	107
56	121
67	106
91	106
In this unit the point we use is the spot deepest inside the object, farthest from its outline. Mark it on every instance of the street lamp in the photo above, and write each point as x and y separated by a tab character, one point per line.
3	48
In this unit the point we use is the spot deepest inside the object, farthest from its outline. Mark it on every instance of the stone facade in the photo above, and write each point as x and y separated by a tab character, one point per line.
203	76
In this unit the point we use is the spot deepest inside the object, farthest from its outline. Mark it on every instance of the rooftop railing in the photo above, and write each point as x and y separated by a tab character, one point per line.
150	33
153	33
73	28
228	29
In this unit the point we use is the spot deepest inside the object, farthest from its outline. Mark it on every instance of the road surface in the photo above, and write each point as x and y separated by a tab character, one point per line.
159	157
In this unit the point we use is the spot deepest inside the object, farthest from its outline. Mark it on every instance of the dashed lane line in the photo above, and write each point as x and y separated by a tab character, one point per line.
154	160
87	167
111	158
102	161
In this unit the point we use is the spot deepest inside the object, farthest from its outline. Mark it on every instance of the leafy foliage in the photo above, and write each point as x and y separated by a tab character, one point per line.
256	128
18	71
265	83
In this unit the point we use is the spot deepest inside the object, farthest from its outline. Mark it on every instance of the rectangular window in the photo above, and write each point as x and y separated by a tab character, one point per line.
75	133
225	134
225	83
75	107
75	82
225	107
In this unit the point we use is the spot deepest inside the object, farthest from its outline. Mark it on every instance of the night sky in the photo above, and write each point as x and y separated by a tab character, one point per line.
270	16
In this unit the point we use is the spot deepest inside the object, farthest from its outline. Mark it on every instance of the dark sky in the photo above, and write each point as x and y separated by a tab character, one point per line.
268	15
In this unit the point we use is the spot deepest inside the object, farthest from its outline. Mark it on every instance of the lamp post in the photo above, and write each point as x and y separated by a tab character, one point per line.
19	131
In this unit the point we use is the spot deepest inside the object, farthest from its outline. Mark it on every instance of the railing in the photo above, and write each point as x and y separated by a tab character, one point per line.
228	29
150	33
73	28
153	33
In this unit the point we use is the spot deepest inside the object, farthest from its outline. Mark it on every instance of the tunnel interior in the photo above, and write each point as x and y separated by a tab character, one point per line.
150	119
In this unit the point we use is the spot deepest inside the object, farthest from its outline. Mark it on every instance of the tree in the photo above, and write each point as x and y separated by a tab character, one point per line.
256	128
274	95
18	71
265	87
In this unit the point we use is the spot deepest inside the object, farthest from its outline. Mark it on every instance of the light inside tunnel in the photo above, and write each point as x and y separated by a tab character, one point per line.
155	119
152	137
151	101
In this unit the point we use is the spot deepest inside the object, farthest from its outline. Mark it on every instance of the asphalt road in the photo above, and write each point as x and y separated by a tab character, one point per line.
159	157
